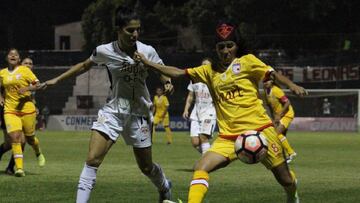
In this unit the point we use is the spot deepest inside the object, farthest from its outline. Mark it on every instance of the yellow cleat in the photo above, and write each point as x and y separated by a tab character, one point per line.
19	173
41	160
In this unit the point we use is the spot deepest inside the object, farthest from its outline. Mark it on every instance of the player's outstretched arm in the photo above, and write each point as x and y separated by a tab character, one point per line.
74	70
298	90
169	71
189	101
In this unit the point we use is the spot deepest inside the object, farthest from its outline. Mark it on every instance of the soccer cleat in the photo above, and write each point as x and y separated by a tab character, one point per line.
295	199
9	171
41	160
165	195
291	157
19	173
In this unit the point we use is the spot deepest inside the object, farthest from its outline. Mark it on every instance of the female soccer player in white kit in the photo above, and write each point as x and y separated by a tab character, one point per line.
203	115
127	113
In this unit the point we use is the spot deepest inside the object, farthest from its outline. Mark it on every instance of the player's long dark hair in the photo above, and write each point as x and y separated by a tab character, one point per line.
235	36
123	15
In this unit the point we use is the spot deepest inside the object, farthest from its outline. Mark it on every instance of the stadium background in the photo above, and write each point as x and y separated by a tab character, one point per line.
305	35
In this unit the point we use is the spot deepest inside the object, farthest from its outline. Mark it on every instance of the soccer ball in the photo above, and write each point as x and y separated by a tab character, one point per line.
251	147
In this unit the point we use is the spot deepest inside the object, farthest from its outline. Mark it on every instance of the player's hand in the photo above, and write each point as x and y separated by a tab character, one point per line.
139	57
2	101
51	82
42	86
168	88
298	90
185	115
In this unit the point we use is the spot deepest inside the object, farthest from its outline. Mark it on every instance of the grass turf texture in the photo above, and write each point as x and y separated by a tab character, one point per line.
327	167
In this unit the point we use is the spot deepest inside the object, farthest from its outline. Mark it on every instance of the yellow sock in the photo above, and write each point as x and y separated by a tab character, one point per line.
198	187
36	146
291	190
168	134
18	155
286	144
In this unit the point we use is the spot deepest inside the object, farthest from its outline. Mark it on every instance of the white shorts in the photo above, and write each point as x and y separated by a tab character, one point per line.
134	129
206	127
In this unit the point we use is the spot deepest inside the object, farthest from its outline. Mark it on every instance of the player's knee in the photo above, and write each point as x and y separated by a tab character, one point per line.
195	142
93	160
30	140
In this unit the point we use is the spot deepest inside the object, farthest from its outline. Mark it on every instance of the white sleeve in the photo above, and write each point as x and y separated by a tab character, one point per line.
154	57
190	87
98	56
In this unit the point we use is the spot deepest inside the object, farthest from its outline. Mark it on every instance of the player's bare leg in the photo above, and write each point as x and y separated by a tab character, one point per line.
6	145
98	148
287	179
210	161
35	144
168	134
195	141
153	171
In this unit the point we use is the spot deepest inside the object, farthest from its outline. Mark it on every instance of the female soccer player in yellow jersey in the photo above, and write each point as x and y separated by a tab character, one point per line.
19	110
31	140
161	106
282	113
233	83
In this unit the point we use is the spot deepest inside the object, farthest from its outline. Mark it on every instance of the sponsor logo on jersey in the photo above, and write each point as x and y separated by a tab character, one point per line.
236	68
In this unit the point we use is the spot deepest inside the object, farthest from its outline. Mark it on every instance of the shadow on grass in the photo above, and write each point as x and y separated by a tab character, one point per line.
185	169
27	173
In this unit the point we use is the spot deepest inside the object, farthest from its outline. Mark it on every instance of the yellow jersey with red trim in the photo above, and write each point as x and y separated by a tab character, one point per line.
12	81
161	105
235	94
276	98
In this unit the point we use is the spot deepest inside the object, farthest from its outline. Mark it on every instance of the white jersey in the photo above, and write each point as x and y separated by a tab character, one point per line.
204	106
130	94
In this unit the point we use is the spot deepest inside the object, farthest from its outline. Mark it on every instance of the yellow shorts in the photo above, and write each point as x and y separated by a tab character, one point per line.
275	157
165	122
25	123
285	121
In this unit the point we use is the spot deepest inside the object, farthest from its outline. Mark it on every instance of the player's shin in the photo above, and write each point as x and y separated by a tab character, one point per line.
18	155
3	149
168	135
291	190
36	146
158	178
198	187
86	183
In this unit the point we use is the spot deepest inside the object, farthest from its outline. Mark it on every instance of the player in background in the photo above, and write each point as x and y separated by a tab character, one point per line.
282	113
233	83
127	112
18	82
33	141
203	115
160	109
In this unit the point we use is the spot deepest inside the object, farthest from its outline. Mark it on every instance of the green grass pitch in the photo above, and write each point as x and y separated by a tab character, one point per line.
327	167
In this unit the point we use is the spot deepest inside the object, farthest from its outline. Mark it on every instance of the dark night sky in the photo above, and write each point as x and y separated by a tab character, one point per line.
28	24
